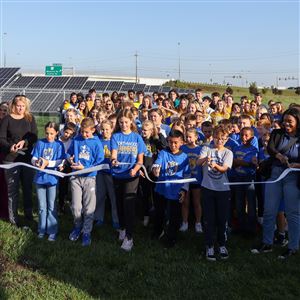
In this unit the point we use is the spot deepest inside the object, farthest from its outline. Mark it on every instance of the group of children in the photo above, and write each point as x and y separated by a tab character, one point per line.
130	143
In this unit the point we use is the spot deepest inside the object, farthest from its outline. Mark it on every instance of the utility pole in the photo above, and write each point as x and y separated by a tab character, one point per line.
136	67
179	63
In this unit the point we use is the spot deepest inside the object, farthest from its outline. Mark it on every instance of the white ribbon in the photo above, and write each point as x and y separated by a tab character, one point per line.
283	174
89	170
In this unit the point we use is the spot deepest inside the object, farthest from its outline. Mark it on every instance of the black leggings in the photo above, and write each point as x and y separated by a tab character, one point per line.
215	208
126	190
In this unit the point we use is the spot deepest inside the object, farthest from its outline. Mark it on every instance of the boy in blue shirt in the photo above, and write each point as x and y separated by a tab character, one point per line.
170	164
245	164
85	151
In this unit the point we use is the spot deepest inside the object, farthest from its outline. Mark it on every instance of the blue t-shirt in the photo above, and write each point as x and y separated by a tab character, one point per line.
193	155
88	151
201	136
128	146
231	144
173	166
246	153
235	136
254	142
52	151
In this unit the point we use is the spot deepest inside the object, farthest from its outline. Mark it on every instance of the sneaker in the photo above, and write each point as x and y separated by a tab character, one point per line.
198	228
146	221
223	252
127	244
122	235
262	248
184	227
210	254
287	254
86	239
115	225
281	240
75	234
41	235
52	237
99	223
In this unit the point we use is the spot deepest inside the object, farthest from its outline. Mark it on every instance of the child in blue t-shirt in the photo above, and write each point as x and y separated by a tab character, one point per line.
170	164
127	152
245	164
104	180
192	150
86	151
47	153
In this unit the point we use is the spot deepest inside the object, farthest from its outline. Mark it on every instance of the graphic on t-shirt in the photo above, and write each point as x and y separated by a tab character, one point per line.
48	153
212	172
172	167
84	152
107	153
127	148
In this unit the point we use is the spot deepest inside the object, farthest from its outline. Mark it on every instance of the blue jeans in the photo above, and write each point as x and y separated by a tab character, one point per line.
246	194
287	190
47	209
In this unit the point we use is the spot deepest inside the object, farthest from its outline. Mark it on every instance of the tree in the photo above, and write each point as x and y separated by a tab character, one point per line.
264	90
253	88
276	91
297	91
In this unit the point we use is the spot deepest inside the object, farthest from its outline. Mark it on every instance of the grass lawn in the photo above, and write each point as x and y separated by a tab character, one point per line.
37	269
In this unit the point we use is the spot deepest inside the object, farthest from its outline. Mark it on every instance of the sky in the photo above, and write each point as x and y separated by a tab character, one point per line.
211	41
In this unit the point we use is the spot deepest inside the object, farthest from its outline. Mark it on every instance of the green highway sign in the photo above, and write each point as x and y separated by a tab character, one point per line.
53	70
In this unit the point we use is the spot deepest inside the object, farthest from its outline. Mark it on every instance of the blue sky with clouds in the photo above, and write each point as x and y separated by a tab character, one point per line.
258	40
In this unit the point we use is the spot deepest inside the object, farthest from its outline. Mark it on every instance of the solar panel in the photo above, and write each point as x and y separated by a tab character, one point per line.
57	83
6	74
22	82
139	87
55	106
39	82
127	86
89	85
7	95
154	88
166	89
114	85
75	83
42	101
100	85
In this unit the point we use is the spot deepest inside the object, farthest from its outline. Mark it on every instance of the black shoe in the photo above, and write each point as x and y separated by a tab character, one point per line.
210	254
281	240
223	252
286	254
262	248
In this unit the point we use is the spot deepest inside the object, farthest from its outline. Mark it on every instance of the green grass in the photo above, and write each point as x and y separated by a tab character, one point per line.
37	269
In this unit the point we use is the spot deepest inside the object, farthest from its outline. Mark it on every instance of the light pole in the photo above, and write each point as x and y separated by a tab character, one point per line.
210	71
179	64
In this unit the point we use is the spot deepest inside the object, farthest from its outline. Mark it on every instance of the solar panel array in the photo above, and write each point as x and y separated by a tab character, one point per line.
22	82
47	93
6	74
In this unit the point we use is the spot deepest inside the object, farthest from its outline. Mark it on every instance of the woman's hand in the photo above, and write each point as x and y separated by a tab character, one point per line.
13	148
20	145
282	158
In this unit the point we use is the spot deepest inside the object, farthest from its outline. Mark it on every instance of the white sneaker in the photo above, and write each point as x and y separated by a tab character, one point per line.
146	221
198	228
122	234
184	227
127	244
223	252
210	254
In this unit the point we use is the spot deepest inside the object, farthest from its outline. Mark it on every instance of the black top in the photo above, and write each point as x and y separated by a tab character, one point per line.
13	131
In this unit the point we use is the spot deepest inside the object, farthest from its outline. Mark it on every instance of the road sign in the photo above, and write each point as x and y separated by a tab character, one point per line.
53	71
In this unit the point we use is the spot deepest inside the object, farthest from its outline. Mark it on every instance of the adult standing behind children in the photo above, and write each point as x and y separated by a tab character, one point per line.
3	186
18	133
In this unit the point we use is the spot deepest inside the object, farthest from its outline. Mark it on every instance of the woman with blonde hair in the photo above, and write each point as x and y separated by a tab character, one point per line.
18	133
